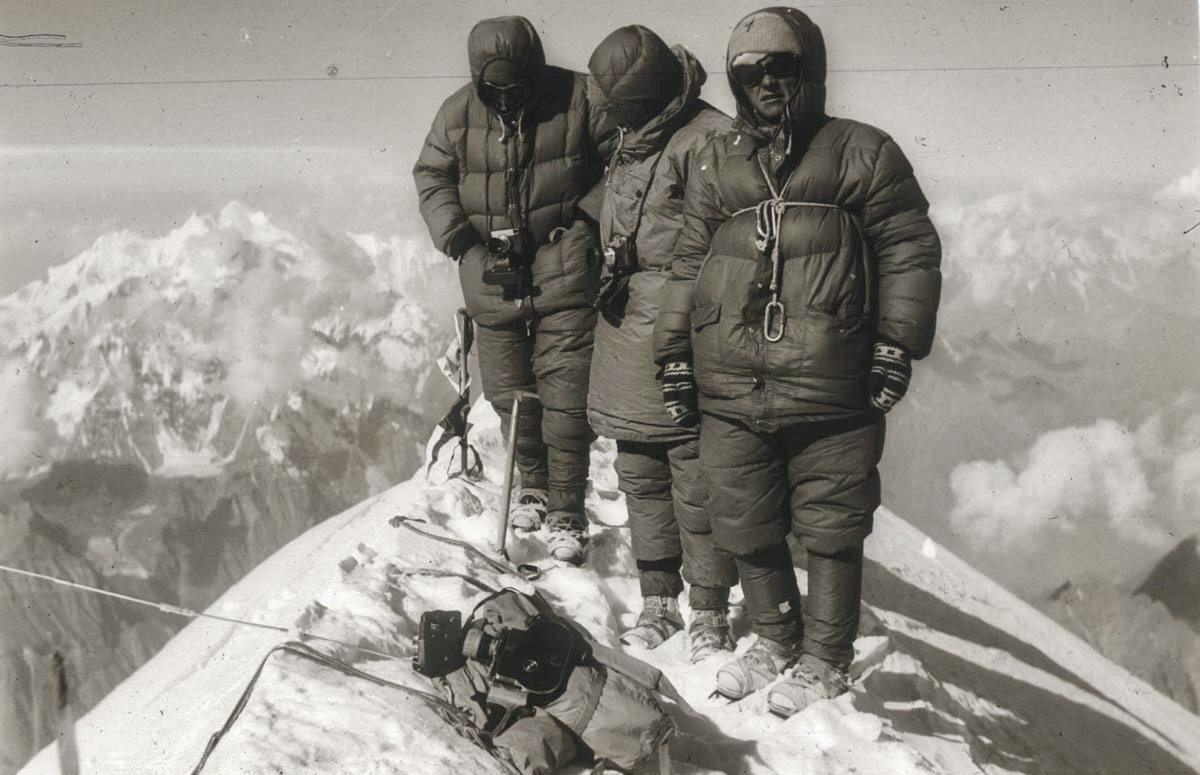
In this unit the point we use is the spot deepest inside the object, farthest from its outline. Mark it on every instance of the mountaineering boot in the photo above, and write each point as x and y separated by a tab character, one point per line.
529	511
708	633
760	665
812	679
568	539
657	622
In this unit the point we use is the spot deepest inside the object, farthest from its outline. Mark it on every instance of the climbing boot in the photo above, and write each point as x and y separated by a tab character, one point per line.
762	663
657	622
529	509
568	539
812	679
708	633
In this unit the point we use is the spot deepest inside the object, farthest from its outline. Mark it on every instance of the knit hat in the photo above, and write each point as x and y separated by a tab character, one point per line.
780	30
763	32
634	67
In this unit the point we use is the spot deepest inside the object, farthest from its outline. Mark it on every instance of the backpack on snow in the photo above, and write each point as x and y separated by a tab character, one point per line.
523	661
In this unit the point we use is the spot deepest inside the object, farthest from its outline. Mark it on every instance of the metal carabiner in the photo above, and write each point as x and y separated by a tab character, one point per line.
774	306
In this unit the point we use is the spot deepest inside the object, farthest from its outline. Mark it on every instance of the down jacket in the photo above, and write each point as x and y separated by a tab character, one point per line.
858	259
652	164
477	173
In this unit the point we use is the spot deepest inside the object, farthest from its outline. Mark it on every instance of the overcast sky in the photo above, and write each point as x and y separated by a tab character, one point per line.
1070	94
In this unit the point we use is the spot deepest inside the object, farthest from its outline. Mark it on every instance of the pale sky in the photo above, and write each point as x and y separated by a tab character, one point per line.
981	95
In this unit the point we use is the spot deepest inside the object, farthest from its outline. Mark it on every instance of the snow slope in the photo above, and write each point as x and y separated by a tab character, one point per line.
955	675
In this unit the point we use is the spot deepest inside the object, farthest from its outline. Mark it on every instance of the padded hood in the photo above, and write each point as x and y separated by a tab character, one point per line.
634	66
505	49
781	29
674	108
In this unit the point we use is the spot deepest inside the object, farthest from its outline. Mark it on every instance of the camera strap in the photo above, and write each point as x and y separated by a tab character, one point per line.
618	279
637	220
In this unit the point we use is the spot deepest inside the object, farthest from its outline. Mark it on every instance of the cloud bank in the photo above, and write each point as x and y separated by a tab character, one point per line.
1048	434
1103	496
21	427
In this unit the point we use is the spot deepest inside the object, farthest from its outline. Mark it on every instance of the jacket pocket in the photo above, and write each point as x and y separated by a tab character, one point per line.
837	347
703	317
706	336
485	303
716	376
566	272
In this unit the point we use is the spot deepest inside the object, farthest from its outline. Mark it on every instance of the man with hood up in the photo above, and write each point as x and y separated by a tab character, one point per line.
805	281
499	179
651	93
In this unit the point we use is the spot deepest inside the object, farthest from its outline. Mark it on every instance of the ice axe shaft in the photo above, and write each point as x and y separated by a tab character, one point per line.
465	339
509	462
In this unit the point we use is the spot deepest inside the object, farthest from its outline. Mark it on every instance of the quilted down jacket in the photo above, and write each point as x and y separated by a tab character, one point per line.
479	173
847	244
647	174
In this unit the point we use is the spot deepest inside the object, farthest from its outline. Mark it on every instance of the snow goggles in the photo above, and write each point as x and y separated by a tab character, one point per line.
512	94
774	65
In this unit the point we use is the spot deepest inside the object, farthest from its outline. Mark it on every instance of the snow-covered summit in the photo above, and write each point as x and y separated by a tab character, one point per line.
954	674
155	349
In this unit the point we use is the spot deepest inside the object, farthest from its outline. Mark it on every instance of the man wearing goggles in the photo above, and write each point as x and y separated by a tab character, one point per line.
507	99
804	282
528	257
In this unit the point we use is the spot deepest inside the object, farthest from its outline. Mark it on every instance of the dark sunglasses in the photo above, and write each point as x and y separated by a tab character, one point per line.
515	93
775	65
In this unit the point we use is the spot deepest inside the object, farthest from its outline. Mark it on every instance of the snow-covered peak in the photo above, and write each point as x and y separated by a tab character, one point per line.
953	674
144	336
195	259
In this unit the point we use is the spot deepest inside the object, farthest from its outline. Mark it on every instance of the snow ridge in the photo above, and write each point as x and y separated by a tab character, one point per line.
953	674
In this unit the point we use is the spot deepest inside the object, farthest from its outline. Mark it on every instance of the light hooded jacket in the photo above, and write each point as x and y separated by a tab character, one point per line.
858	259
646	174
479	173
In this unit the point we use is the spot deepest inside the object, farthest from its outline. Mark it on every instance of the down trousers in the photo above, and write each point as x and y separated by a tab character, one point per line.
817	481
549	355
670	532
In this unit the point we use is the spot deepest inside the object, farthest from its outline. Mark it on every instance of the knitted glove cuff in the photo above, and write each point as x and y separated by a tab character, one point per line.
679	393
891	370
891	356
678	371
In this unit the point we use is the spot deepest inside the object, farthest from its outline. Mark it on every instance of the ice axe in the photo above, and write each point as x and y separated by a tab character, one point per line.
509	461
456	424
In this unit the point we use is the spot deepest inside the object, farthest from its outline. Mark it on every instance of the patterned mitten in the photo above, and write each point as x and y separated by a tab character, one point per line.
891	369
679	393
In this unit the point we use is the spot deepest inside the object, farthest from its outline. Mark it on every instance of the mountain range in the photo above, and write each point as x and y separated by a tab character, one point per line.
180	408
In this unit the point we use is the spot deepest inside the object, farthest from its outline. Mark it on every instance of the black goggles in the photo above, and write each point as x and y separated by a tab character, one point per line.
775	65
514	94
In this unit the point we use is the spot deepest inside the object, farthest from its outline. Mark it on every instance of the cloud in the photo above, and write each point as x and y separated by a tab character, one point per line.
1047	262
1069	478
1082	498
1056	312
1186	188
21	428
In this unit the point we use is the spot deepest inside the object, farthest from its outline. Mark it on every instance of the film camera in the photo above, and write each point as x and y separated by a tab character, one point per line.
620	256
536	660
510	249
620	261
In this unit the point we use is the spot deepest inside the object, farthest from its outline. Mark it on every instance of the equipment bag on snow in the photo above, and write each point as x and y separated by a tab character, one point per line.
541	688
